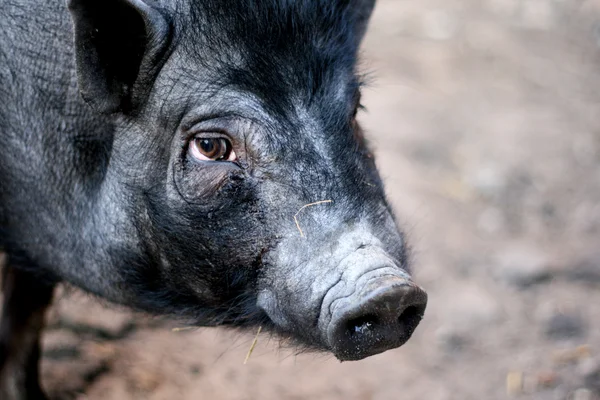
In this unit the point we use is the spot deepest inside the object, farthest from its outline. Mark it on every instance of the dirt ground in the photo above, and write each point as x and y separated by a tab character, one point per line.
485	115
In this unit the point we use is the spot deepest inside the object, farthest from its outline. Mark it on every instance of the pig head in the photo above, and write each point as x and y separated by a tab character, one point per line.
239	189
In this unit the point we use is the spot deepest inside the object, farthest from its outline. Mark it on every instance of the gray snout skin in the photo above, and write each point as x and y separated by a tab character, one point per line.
382	314
355	300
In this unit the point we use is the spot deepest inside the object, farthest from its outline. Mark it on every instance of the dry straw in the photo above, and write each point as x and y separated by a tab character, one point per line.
253	345
302	208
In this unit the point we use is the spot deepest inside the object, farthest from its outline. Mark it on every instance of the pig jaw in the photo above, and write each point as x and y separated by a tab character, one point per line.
354	301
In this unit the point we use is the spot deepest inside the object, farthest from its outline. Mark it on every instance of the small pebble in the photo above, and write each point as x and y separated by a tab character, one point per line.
570	356
590	370
450	341
514	383
565	326
547	380
585	271
487	181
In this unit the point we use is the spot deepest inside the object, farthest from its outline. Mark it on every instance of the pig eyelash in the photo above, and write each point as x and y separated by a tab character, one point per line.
357	103
360	107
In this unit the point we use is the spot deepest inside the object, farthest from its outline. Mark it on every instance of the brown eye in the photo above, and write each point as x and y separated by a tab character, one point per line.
212	149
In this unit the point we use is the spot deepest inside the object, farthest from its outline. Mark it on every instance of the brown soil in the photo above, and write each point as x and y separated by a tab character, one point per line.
485	115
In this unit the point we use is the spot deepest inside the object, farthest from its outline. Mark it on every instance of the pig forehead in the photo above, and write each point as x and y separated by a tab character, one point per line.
277	103
273	47
282	82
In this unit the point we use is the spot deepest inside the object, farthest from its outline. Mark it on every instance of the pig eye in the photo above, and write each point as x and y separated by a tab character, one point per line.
211	149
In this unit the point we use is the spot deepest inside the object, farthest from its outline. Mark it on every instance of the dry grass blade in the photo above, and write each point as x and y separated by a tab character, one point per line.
302	208
253	345
184	328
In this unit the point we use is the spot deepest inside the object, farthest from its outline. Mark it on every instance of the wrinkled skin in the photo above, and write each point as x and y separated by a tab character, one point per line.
98	187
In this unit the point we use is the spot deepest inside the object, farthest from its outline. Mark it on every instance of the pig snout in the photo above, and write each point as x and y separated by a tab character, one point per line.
355	301
380	315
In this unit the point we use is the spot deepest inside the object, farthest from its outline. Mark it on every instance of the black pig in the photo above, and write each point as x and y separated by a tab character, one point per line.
197	158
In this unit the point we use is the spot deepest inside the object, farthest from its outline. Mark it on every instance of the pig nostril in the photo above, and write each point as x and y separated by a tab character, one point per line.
382	316
362	325
410	318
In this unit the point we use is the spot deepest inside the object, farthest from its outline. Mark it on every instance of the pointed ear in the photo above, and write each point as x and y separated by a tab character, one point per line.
118	48
363	10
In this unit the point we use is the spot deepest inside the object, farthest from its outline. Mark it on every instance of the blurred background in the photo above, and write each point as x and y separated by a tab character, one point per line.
485	117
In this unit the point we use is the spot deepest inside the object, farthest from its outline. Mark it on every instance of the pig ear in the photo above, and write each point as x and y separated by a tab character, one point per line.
363	10
118	46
